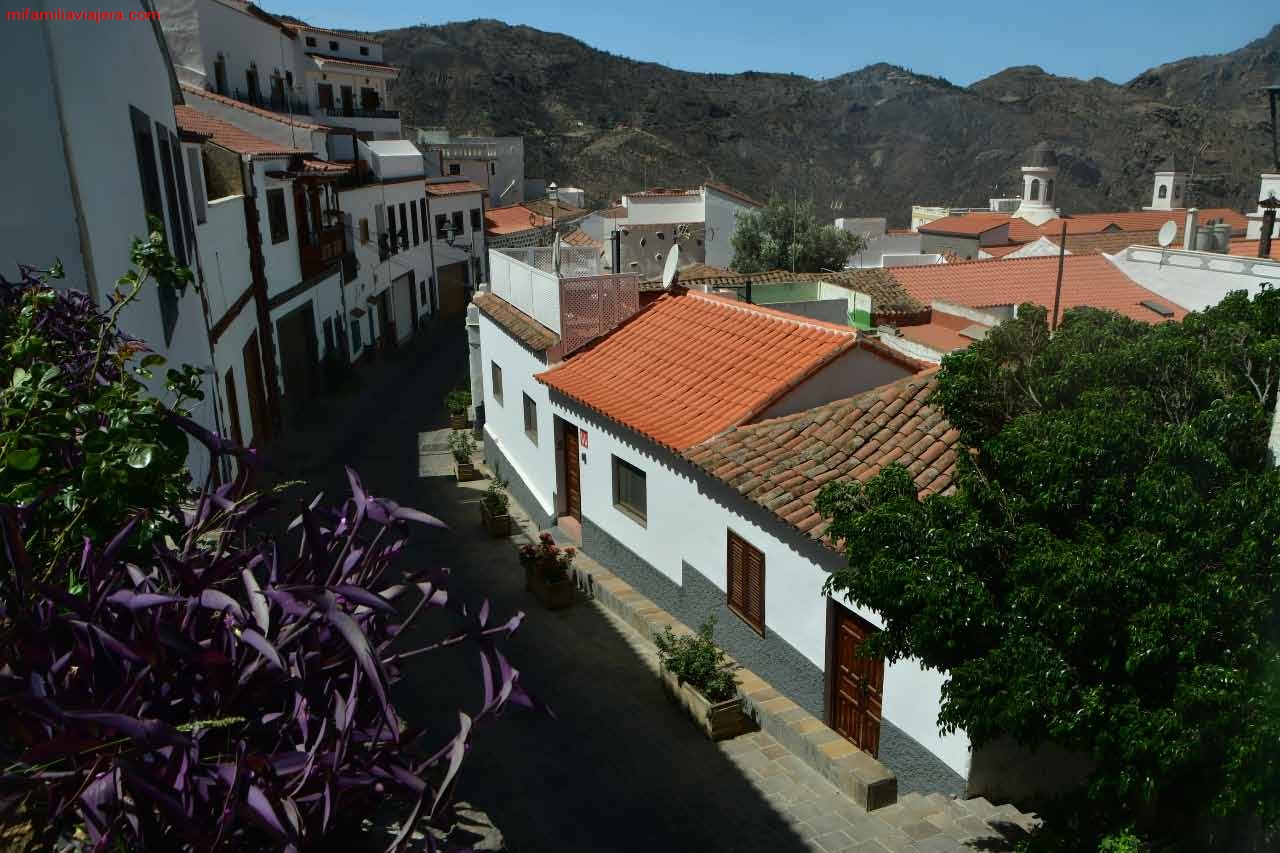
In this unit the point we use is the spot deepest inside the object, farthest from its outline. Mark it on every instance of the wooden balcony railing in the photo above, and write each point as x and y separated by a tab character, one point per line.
329	247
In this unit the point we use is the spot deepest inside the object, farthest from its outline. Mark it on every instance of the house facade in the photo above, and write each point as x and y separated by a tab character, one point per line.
628	446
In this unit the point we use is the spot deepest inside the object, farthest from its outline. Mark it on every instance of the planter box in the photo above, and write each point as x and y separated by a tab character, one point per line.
554	596
465	471
458	421
497	525
719	720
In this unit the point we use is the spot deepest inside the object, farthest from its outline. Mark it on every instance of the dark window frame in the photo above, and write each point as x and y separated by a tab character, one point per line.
392	242
364	50
495	381
624	498
739	581
441	219
281	235
530	417
311	41
459	222
476	222
333	45
455	169
413	217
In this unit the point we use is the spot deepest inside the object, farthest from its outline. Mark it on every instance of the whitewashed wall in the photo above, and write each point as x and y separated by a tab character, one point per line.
721	215
685	524
534	292
663	210
504	422
242	39
1194	280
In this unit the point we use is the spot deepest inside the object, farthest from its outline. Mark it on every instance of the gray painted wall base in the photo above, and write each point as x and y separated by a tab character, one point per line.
775	660
519	489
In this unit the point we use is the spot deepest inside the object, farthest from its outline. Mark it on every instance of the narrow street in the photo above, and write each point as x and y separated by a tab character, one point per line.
618	768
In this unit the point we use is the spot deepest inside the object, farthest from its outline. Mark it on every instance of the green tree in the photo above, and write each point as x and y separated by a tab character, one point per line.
787	235
1104	578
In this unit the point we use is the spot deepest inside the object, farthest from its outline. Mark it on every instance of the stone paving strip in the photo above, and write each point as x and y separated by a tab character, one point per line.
826	817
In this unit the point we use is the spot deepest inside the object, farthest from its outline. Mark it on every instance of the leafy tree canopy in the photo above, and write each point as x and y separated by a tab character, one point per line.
1105	576
787	235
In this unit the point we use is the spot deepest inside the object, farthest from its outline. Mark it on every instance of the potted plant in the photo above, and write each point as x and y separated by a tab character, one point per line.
493	509
457	402
462	445
546	572
698	676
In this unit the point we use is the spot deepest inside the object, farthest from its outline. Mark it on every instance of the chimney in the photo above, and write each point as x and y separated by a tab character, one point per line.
748	293
1189	231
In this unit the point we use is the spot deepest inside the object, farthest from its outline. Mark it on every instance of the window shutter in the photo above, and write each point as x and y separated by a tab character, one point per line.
755	588
736	580
745	581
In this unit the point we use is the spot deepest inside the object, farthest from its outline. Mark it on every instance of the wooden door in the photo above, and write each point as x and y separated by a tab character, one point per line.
452	280
858	688
252	357
296	333
572	473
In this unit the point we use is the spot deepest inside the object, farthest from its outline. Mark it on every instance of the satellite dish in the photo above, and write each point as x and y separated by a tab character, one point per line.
669	271
1167	232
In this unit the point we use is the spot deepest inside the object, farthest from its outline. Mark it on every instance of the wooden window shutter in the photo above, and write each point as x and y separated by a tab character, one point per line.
745	581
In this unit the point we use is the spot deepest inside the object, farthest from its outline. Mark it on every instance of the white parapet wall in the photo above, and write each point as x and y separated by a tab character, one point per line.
533	291
1194	280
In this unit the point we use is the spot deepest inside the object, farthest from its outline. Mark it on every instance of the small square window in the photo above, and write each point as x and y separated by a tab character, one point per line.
333	45
455	169
630	493
311	41
530	419
364	230
475	219
496	373
364	51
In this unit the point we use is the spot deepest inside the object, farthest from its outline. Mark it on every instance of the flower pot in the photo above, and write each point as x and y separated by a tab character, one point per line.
497	525
554	595
465	471
458	421
718	720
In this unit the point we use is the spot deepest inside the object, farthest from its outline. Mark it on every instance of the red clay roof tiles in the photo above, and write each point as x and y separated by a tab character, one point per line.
1087	280
692	365
288	121
781	463
453	187
229	136
518	324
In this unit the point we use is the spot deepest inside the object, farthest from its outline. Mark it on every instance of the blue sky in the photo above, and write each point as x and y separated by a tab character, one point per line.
962	41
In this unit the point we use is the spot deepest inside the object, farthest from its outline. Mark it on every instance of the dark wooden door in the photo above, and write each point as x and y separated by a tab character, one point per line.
858	690
453	290
296	332
572	473
257	397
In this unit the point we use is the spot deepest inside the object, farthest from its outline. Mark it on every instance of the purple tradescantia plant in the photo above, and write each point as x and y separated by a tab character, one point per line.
225	695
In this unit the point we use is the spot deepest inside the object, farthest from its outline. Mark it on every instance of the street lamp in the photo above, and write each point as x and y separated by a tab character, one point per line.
450	232
553	193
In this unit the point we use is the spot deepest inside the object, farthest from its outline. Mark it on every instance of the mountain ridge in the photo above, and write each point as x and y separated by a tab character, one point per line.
867	142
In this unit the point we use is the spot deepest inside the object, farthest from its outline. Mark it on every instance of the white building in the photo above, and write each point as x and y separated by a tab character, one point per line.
93	149
494	162
1270	188
701	220
234	49
686	475
1170	187
884	247
1039	176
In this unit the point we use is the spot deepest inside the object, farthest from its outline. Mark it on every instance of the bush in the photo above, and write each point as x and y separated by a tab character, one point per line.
495	498
696	660
462	445
220	688
458	401
549	560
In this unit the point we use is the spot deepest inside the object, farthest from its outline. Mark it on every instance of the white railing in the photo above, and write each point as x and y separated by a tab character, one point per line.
533	291
575	261
1195	260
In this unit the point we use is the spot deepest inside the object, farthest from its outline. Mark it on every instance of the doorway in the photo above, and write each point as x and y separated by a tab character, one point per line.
259	425
296	332
572	472
857	683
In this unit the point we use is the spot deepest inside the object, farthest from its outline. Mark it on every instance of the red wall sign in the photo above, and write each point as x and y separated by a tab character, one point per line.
582	437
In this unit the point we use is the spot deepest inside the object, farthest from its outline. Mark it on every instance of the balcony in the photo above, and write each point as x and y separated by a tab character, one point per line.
325	250
351	112
284	104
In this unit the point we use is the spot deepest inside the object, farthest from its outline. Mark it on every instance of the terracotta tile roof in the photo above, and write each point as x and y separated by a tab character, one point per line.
782	463
942	332
229	136
313	165
725	189
578	237
512	219
1001	251
1140	220
441	188
325	59
1087	280
887	296
966	225
660	192
692	365
520	325
542	207
223	100
1249	248
1108	242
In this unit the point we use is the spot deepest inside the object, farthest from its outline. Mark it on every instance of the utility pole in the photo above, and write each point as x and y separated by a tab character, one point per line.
1057	290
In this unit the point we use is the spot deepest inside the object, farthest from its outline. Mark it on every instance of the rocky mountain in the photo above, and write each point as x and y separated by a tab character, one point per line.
871	142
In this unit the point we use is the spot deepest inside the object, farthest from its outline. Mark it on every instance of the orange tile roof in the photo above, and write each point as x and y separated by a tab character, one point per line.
435	187
287	121
725	189
1108	242
966	225
1139	220
942	332
325	58
518	324
692	365
229	136
578	237
1087	280
1249	248
1001	251
512	219
782	463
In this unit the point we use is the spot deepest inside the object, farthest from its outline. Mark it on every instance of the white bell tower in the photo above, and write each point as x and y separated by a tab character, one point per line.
1039	176
1170	190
